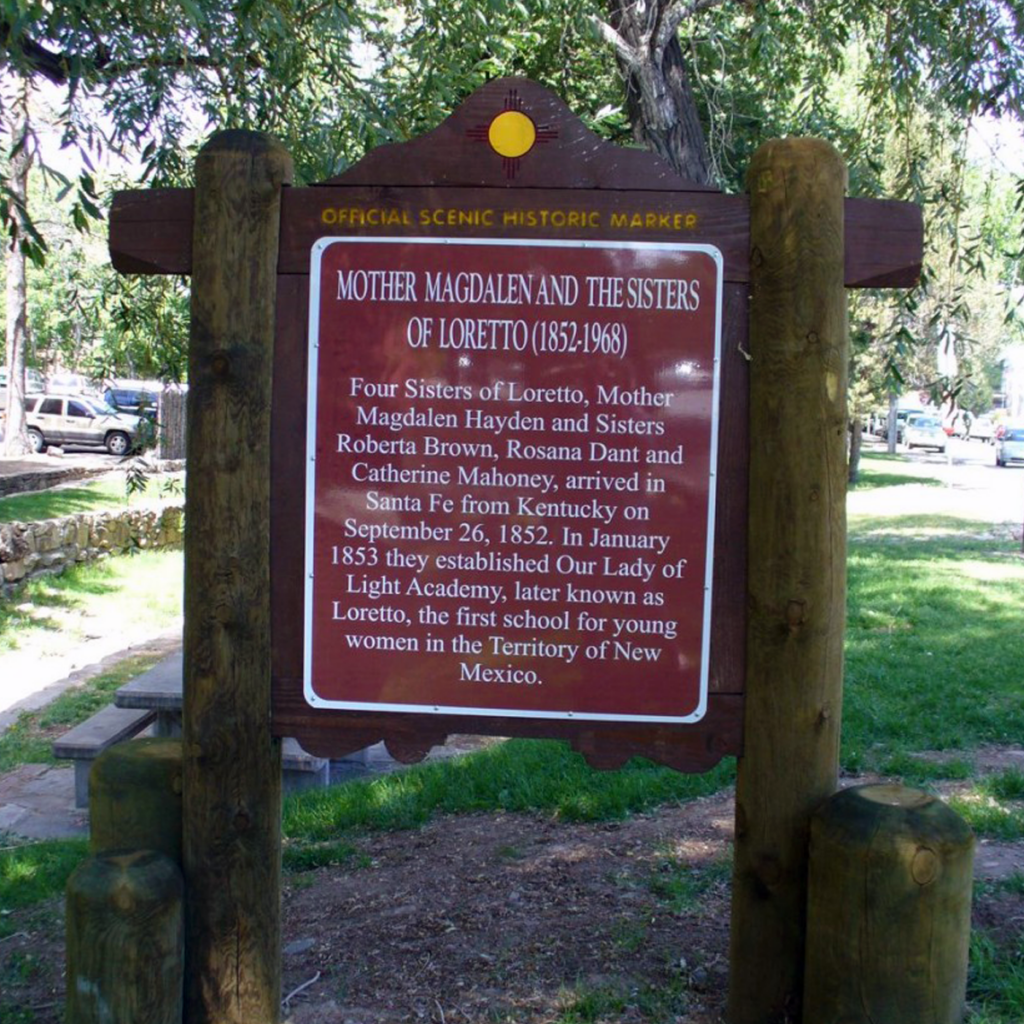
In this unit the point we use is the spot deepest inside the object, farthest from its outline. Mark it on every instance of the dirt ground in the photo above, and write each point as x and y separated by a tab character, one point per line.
502	918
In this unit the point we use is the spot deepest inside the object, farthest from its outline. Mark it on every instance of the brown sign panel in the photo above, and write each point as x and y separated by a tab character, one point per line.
510	485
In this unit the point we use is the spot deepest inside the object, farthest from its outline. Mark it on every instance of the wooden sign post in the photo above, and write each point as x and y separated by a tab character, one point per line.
796	565
519	434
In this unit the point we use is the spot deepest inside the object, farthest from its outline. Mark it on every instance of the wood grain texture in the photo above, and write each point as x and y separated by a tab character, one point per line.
566	153
151	230
889	908
232	763
135	797
796	563
124	940
883	243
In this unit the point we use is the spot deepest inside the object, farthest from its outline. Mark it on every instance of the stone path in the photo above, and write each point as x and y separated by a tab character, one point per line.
37	801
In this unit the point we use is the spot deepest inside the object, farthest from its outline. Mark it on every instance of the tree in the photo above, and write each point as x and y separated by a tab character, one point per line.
137	77
702	82
15	436
659	97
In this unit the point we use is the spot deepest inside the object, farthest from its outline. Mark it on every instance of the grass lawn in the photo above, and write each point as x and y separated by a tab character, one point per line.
56	612
108	492
934	662
883	470
28	741
934	645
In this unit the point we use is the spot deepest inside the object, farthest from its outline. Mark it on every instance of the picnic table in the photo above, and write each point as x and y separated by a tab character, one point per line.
161	690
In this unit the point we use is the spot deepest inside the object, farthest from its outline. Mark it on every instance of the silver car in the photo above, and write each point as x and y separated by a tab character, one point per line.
925	432
1010	446
79	420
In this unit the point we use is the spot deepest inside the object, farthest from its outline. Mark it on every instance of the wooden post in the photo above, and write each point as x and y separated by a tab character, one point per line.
124	932
135	797
796	563
232	764
889	909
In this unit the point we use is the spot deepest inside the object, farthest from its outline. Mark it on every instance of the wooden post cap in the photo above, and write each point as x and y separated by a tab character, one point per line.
242	140
889	900
135	797
125	957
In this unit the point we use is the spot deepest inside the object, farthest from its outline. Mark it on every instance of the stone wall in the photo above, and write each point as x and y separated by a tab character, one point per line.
50	545
31	476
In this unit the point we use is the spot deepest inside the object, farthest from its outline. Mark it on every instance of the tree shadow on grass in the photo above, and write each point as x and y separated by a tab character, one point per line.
68	592
54	504
934	649
870	480
964	533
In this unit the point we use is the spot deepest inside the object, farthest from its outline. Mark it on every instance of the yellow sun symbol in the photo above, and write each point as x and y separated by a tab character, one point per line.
512	134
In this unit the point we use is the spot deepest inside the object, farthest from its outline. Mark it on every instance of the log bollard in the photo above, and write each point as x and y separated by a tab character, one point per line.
124	940
135	797
889	909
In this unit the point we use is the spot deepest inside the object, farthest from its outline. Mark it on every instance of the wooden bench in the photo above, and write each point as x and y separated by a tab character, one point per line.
302	770
160	690
86	741
154	698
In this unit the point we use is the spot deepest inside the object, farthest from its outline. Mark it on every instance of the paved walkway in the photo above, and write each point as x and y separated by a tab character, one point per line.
32	679
36	472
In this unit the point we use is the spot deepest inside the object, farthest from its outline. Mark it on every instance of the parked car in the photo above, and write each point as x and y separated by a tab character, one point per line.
35	383
1010	446
982	429
132	400
79	420
902	415
925	432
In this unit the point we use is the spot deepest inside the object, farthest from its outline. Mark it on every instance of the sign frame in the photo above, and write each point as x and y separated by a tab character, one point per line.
309	691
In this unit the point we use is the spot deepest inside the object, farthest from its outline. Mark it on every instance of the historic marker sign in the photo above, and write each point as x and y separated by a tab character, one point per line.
510	491
487	193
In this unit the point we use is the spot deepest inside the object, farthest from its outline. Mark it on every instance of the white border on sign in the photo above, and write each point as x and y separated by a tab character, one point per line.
319	247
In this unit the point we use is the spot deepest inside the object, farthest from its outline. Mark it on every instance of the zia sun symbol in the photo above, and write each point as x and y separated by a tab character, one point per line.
512	134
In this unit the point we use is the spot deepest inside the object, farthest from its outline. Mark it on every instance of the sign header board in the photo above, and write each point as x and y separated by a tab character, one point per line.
510	482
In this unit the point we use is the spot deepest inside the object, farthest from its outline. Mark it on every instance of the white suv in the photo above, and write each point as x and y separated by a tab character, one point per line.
79	420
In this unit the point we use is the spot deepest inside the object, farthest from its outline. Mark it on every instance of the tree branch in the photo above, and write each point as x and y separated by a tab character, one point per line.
675	14
55	66
623	50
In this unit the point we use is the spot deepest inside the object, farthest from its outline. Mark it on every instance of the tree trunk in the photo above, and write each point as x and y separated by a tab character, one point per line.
658	94
856	438
15	437
890	430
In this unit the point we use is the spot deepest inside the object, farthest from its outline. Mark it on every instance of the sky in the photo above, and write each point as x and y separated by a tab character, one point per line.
999	143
